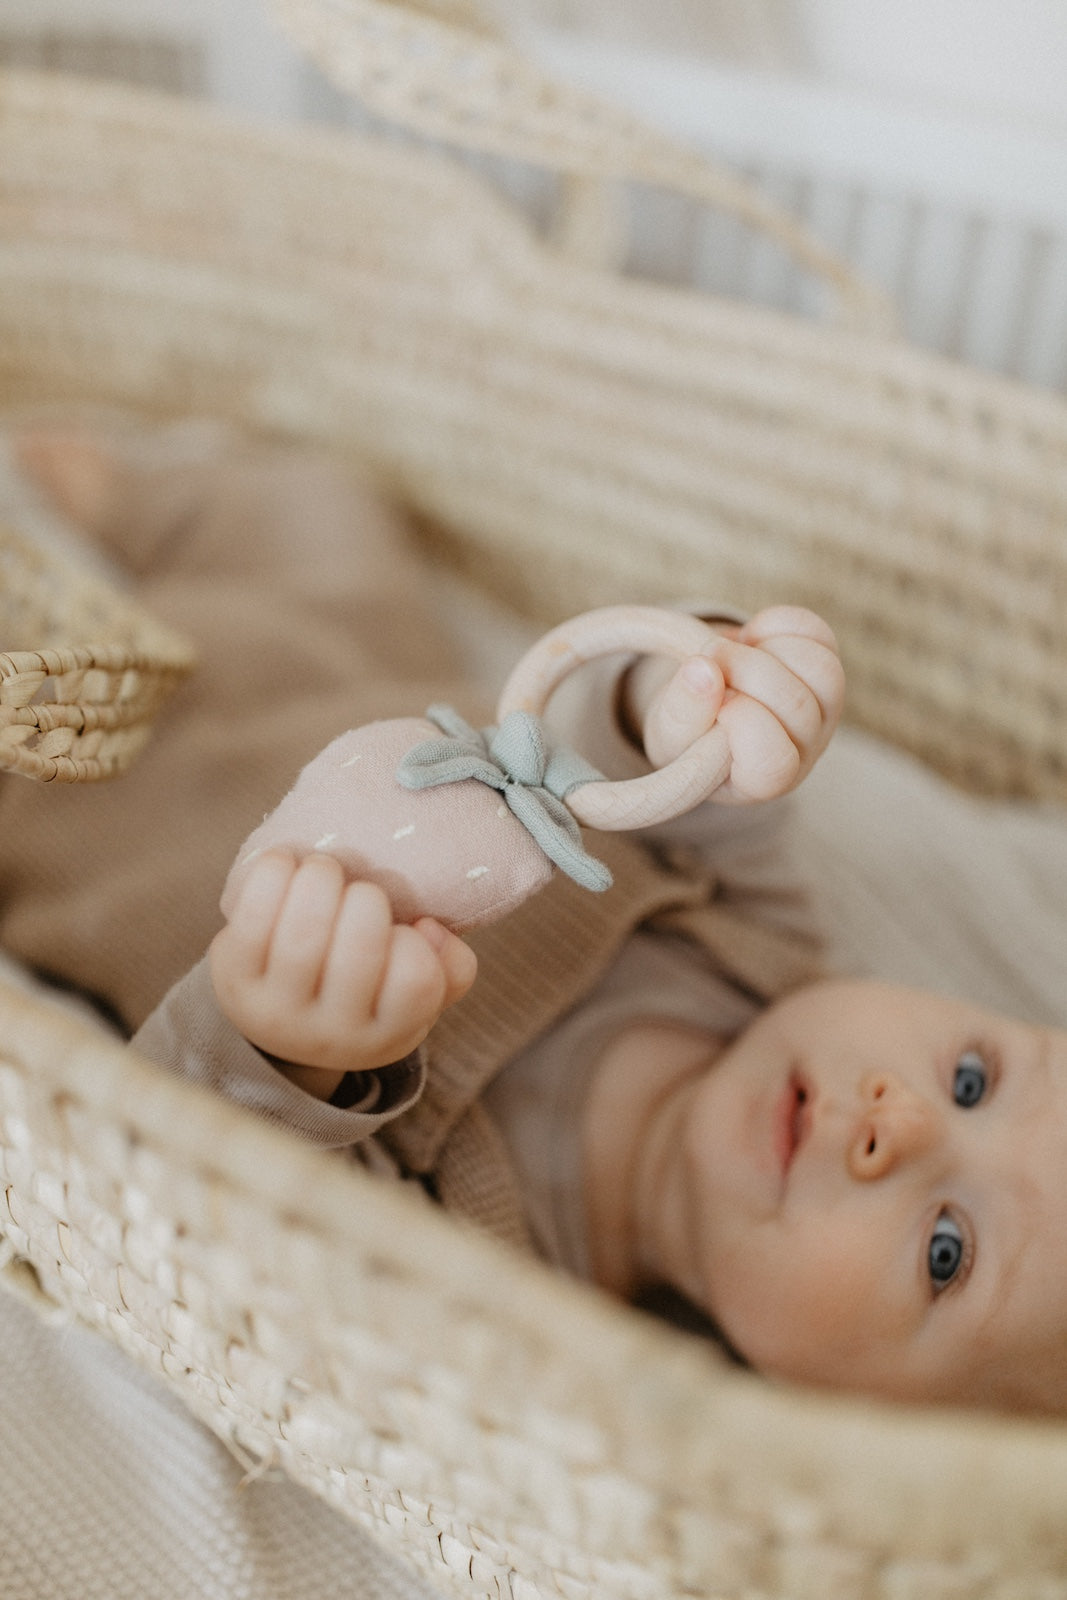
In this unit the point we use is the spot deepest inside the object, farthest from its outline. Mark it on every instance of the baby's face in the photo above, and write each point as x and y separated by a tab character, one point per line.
880	1182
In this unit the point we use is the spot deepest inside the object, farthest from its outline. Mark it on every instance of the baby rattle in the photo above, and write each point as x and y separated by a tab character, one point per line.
463	825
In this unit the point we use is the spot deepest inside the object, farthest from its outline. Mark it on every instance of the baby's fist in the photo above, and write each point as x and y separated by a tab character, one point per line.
774	687
313	970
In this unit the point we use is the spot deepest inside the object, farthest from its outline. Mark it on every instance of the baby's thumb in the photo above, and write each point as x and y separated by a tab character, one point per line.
458	961
685	709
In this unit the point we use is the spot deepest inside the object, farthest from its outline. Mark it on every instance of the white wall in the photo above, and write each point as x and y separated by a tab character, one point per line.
993	57
762	33
985	56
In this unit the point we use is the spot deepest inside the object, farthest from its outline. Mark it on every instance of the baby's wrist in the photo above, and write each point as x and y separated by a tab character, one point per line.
323	1083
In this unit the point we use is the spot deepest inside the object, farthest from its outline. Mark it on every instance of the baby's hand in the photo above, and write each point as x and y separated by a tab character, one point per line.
312	969
775	687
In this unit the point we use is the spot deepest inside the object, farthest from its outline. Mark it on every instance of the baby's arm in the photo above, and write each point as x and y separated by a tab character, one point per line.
314	972
775	685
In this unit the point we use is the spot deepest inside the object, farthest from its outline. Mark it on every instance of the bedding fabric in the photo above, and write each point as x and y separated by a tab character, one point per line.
112	1489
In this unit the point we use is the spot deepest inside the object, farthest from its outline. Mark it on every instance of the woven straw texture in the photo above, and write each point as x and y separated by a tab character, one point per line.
571	440
542	414
82	673
509	1432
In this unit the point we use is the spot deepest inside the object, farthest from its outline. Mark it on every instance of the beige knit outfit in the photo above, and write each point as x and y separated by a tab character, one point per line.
263	555
278	555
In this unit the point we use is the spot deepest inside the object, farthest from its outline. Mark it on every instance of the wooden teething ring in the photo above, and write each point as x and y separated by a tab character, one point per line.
647	630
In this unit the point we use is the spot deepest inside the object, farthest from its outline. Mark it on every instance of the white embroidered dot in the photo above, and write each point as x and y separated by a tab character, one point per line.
502	811
402	833
352	760
251	856
325	842
477	872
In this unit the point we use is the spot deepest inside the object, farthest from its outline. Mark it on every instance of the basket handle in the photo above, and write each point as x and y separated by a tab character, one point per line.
433	66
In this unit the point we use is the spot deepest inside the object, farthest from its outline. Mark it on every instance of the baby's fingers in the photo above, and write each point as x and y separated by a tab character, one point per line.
359	952
240	952
765	761
684	710
413	992
792	621
304	930
458	961
758	675
823	676
804	644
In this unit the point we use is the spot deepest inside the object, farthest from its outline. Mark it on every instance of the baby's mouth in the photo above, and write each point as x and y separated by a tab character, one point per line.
794	1119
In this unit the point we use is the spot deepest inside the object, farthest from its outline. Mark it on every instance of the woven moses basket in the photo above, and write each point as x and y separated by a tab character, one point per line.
575	439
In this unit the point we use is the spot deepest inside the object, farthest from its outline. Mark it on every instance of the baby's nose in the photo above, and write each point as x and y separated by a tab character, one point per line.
895	1124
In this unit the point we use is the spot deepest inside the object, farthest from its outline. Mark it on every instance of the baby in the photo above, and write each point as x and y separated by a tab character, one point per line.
860	1185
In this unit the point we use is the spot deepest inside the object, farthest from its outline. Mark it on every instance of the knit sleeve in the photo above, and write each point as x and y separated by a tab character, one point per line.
188	1035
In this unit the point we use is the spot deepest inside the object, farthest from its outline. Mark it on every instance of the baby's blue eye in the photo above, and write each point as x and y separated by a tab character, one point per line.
946	1252
971	1079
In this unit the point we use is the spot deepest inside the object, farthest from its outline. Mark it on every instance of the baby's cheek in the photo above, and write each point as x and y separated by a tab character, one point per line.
803	1306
